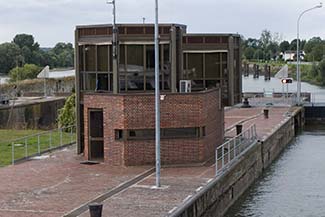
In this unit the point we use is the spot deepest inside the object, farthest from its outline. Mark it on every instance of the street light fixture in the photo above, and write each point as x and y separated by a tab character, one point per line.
298	53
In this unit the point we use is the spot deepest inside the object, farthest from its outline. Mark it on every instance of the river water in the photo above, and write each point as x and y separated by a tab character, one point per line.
294	185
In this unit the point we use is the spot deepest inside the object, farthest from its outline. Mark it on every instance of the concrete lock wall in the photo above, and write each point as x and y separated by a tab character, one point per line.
40	115
220	194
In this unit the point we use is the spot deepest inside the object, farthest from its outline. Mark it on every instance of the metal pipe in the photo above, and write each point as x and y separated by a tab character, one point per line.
298	55
157	96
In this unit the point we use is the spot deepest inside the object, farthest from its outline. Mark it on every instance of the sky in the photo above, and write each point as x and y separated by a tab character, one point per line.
52	21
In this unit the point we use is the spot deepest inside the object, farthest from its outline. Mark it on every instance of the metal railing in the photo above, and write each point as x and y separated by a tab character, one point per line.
233	148
34	145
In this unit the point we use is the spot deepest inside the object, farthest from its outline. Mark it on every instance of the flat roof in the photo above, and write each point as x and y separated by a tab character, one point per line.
211	34
128	24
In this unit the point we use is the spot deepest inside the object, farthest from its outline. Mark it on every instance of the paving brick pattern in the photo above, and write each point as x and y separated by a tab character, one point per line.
58	184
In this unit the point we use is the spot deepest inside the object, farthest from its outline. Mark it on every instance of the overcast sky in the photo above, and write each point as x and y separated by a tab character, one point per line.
52	21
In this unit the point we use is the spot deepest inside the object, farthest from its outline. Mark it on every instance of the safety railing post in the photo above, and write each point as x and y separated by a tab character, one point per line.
12	153
228	152
61	142
235	144
50	140
71	135
222	156
26	148
216	161
38	145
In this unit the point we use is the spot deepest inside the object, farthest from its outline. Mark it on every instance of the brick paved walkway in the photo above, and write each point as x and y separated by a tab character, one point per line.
56	185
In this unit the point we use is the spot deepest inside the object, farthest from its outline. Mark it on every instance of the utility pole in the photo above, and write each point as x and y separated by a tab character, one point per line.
114	49
157	98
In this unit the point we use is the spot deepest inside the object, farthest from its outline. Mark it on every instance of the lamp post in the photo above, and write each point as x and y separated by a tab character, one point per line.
157	96
114	50
298	53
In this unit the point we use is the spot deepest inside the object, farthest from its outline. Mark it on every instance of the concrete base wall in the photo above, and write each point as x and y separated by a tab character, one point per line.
222	192
40	115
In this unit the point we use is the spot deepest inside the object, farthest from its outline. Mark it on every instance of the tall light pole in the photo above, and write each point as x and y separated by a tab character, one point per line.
298	53
114	50
157	97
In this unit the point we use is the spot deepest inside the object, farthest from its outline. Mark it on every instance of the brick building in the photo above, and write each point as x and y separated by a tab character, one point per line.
118	127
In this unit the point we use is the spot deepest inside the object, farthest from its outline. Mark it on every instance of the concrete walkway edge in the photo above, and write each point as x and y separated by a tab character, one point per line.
83	208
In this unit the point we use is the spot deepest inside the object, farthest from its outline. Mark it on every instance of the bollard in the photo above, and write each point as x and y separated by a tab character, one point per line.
95	210
239	128
266	113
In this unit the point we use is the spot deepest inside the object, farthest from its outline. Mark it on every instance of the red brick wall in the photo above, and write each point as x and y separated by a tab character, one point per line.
177	111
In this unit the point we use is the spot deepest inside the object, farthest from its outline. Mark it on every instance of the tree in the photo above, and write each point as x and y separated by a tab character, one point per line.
67	115
28	71
314	72
266	38
9	57
23	40
322	71
259	54
249	53
284	46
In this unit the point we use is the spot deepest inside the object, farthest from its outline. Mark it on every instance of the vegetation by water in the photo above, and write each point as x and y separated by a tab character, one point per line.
29	146
270	46
23	53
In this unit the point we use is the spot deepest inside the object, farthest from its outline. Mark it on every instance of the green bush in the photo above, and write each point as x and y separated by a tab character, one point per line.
67	115
28	71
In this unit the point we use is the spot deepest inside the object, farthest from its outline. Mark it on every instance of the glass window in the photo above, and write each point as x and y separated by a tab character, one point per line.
90	52
212	83
135	81
195	66
197	84
150	80
122	57
90	79
102	82
102	58
150	57
167	133
142	134
81	58
122	81
212	66
180	132
134	58
166	68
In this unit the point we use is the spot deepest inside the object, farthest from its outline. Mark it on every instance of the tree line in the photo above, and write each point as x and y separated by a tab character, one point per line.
270	46
23	57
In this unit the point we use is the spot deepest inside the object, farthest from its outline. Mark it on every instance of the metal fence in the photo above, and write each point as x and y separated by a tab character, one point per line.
34	145
233	148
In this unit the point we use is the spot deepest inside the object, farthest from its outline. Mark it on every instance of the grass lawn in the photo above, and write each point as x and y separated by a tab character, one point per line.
25	143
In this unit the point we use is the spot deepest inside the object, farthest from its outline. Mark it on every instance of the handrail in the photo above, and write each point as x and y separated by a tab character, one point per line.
233	148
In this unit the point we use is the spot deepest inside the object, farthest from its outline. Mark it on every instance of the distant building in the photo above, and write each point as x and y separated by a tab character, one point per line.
119	128
291	55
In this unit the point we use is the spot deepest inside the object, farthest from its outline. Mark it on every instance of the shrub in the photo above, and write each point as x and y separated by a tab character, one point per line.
67	115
